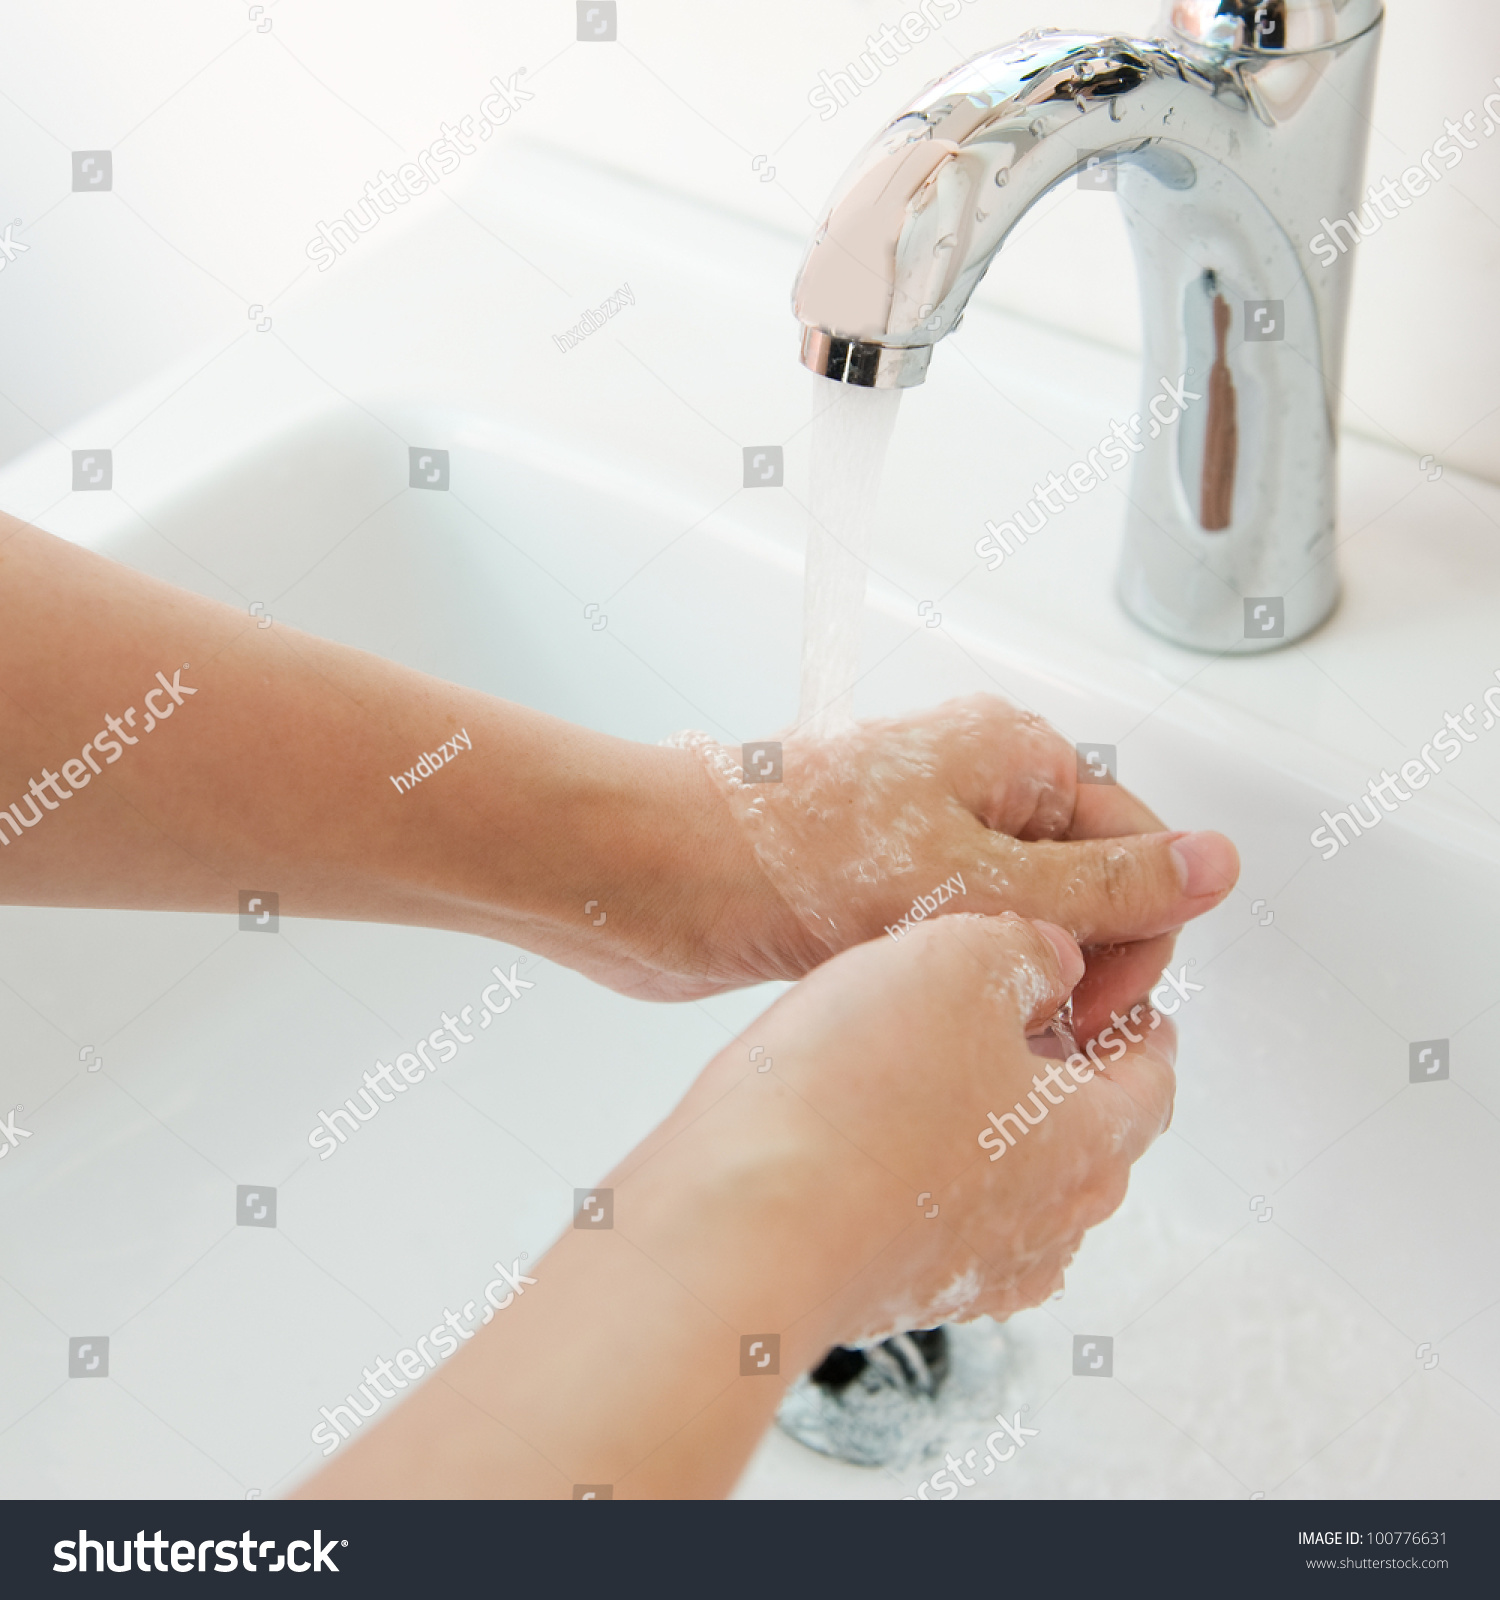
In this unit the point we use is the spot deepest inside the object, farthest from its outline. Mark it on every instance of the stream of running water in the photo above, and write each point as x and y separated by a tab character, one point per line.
850	432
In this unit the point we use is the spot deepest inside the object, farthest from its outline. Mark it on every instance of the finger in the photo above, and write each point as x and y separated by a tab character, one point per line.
1142	1082
1106	811
1029	967
1018	775
1008	767
1115	977
1107	891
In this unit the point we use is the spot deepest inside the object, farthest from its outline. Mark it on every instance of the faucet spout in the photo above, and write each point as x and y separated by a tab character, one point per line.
1229	144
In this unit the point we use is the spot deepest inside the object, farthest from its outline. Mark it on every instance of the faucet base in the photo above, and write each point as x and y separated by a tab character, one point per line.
1282	619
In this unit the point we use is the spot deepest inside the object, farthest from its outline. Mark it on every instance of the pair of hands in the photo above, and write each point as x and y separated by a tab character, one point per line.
782	1200
889	1057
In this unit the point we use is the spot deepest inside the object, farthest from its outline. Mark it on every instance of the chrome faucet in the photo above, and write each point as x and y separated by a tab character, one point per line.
1231	141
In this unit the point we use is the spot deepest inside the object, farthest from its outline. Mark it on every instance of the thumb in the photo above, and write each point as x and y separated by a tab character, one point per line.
1029	968
1109	890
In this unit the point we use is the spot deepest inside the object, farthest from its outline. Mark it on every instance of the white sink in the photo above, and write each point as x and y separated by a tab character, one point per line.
1293	1254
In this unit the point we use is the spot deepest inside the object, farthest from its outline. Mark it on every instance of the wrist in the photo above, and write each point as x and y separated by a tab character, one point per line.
598	851
673	869
765	1215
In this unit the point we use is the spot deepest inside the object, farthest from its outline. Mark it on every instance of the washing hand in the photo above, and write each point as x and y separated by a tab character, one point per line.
779	1211
887	1063
657	870
973	807
780	1201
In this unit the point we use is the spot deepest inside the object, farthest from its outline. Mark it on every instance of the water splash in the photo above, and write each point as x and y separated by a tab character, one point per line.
850	432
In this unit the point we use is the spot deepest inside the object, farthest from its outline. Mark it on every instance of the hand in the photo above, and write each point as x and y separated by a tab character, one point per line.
888	1061
785	1203
975	806
657	870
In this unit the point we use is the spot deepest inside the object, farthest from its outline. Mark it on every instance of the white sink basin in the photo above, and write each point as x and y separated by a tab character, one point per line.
1292	1255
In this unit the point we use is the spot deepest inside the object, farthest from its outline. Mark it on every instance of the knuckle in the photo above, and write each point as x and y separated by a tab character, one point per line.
1120	880
987	717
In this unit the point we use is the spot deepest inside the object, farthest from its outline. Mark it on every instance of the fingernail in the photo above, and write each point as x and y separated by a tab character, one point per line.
1069	956
1207	863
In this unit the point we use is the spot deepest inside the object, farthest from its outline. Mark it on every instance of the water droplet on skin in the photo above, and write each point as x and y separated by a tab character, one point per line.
944	245
1002	177
1062	1027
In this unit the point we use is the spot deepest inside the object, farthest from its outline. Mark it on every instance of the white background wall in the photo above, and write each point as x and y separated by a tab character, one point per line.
231	143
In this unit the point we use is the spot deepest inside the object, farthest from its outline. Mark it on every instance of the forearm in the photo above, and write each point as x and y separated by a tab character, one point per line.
287	764
622	1363
277	772
775	1213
